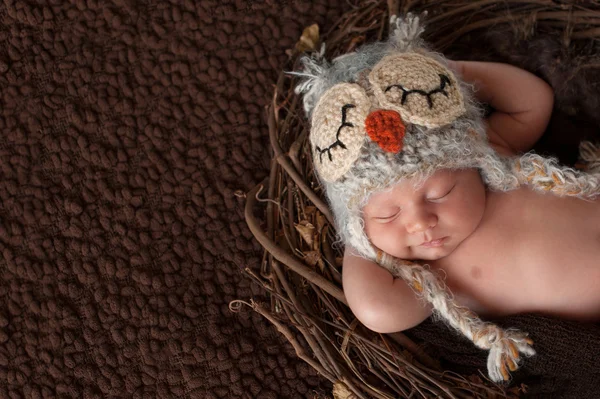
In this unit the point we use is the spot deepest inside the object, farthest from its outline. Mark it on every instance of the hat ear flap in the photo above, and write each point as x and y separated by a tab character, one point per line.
405	32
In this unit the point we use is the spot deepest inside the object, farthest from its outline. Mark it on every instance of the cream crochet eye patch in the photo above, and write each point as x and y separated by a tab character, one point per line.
338	129
419	88
408	88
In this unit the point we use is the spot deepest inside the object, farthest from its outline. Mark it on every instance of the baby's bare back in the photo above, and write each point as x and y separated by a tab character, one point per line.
531	253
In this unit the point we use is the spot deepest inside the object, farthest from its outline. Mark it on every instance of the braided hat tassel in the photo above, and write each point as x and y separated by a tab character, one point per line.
545	174
590	154
504	346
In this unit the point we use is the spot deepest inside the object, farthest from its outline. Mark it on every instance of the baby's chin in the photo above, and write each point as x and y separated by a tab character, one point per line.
422	255
432	254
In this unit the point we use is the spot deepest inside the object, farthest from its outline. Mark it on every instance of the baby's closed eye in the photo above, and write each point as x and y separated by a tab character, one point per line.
442	196
387	218
386	215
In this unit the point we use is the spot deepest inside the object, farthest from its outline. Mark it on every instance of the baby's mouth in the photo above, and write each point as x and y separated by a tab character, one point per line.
434	243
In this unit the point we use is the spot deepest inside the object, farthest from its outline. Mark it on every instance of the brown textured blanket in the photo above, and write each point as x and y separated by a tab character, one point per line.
125	130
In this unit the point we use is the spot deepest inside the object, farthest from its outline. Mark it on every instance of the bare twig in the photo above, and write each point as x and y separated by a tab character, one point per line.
285	257
288	335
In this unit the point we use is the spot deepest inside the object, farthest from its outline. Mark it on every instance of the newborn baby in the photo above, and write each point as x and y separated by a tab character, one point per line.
500	252
419	182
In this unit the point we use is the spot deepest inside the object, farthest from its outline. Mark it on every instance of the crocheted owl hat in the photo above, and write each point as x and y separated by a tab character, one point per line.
392	111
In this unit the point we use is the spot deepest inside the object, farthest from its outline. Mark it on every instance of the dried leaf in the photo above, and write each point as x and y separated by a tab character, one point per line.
321	220
310	210
309	39
306	231
341	391
312	258
321	264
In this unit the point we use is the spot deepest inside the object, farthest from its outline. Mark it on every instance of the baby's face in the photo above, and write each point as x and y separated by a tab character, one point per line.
448	206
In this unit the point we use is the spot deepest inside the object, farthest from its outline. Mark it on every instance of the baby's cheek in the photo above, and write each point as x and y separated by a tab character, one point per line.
384	234
470	211
386	237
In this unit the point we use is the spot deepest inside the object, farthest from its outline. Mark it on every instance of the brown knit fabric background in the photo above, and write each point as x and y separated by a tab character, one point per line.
125	130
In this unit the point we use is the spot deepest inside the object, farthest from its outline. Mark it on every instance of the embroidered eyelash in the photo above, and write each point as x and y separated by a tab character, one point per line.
337	142
443	81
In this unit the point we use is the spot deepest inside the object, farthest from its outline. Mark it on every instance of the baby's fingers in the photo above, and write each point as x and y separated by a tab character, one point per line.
456	66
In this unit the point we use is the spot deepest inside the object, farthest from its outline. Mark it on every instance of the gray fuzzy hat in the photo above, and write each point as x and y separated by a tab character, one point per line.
395	110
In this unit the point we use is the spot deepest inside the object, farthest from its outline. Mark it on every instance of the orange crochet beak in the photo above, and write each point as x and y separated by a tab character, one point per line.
386	129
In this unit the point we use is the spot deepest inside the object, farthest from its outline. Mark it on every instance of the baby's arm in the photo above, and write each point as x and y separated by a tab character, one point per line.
522	102
379	301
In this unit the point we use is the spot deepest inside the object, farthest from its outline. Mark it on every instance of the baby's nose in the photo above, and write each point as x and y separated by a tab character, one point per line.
421	221
385	127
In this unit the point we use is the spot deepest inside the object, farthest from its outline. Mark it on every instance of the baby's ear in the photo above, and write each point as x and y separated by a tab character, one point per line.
406	31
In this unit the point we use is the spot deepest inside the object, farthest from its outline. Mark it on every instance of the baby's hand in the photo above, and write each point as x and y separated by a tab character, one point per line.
456	66
522	101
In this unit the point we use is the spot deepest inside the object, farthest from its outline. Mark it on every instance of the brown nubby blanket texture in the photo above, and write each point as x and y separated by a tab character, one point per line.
126	127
